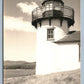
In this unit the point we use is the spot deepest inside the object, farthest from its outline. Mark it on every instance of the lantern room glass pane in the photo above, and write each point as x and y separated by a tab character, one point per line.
47	7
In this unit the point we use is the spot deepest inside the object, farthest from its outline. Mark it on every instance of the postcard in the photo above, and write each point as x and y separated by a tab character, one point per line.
42	42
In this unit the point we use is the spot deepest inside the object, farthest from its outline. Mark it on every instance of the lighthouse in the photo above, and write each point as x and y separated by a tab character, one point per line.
57	47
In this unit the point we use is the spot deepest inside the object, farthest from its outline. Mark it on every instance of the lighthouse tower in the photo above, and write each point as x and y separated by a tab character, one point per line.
52	21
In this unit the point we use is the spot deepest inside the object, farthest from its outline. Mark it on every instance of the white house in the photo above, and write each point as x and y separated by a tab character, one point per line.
58	48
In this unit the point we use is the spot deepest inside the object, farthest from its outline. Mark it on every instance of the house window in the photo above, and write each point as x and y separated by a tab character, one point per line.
50	34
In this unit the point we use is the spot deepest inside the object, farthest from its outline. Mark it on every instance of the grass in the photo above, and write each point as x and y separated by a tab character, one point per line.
69	77
8	73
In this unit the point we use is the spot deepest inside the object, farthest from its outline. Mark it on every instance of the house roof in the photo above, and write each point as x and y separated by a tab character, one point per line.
73	36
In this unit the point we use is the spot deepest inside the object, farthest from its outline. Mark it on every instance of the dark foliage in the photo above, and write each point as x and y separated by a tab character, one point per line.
19	65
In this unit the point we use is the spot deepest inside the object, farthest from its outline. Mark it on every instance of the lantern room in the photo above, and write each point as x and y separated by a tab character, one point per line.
53	9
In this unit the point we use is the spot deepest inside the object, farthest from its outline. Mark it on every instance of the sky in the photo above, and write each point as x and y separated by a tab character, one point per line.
19	34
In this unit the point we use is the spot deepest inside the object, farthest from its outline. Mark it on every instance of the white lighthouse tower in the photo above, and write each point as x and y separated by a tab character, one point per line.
52	21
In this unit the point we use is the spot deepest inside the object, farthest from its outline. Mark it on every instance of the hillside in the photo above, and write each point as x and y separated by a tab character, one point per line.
19	65
69	77
21	72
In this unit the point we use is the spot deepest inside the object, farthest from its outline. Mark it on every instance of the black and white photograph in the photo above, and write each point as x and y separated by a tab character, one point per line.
41	42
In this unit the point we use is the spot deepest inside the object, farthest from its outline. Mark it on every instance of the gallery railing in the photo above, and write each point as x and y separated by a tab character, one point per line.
53	11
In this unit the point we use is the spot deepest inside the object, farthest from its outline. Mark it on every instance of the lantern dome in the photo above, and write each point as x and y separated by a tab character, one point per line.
56	2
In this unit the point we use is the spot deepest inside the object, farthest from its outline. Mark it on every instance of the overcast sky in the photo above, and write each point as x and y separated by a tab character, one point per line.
19	34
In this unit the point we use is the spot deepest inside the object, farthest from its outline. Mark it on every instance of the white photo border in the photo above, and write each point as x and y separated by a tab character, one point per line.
82	40
1	42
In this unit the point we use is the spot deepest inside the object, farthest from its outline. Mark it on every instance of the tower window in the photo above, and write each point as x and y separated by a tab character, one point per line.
50	34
